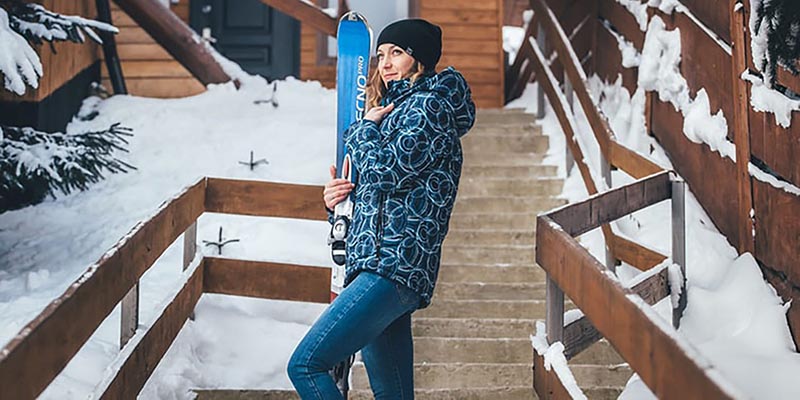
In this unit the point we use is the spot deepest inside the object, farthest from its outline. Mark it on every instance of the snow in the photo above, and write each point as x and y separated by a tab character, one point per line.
766	99
512	40
19	63
638	10
630	56
554	359
44	249
758	38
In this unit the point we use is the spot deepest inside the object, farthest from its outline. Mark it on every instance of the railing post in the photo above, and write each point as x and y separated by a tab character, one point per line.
129	320
540	40
189	249
568	92
605	167
555	311
679	243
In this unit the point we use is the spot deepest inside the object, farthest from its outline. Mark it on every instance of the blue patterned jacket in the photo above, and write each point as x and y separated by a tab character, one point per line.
409	168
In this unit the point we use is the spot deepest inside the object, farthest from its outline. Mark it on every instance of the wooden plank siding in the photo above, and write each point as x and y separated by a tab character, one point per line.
68	59
706	64
148	69
472	42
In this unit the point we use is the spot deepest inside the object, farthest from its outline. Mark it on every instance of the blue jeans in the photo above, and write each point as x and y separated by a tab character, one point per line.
373	314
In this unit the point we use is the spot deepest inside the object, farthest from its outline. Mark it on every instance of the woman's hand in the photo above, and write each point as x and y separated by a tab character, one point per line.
376	114
336	190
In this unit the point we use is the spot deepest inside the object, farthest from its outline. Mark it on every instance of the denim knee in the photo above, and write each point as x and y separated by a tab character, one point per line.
296	369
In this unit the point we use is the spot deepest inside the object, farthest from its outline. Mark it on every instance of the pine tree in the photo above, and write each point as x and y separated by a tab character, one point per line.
34	164
782	19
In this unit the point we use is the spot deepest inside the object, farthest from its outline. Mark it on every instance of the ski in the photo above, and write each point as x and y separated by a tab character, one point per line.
354	40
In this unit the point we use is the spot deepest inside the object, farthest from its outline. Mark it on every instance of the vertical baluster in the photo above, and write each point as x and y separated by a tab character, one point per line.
189	249
130	315
540	40
605	167
555	311
569	93
679	242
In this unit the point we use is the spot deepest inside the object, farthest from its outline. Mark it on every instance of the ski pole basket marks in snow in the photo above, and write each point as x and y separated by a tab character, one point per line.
666	362
38	354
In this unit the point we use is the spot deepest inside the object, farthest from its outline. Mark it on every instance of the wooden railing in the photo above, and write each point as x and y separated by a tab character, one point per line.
670	366
42	349
618	313
308	13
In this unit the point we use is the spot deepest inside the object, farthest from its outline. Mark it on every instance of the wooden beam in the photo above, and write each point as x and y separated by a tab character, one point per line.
635	254
306	13
580	334
547	384
741	128
633	163
147	352
666	362
36	355
267	280
176	37
265	199
602	208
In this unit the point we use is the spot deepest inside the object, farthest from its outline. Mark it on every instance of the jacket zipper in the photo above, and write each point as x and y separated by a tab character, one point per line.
379	233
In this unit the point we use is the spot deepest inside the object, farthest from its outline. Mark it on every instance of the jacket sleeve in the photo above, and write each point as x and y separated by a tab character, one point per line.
395	160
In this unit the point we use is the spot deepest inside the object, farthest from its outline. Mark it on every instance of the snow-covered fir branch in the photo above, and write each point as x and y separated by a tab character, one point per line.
34	164
776	36
24	23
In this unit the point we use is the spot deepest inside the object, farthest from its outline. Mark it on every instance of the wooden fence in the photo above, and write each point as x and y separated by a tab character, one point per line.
44	347
724	187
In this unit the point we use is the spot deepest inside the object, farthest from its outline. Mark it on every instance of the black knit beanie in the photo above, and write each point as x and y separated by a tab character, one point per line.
419	38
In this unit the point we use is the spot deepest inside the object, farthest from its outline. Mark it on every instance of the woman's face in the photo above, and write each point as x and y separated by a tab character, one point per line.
393	63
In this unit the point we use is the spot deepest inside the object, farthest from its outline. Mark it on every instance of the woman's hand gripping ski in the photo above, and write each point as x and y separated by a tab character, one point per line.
336	189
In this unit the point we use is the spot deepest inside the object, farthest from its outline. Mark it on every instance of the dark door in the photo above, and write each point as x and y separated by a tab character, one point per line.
262	40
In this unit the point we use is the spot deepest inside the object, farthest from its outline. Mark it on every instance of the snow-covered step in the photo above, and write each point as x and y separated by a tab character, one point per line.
474	220
490	273
506	186
499	254
443	308
498	204
518	143
515	172
490	291
483	237
473	327
498	393
459	375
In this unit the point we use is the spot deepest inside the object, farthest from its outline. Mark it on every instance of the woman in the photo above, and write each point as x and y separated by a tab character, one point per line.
407	153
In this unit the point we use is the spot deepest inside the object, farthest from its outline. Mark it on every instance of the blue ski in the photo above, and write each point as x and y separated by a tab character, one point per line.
354	39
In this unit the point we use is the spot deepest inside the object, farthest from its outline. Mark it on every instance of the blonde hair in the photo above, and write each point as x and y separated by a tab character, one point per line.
376	89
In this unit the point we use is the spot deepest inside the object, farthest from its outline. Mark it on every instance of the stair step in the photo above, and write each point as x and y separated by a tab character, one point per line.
505	128
490	273
458	375
444	308
489	237
490	291
600	353
601	376
504	393
497	204
472	350
473	254
488	118
468	220
473	327
517	172
504	144
509	187
503	159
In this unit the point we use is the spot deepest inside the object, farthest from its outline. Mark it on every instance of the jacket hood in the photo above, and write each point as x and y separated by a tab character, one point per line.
451	88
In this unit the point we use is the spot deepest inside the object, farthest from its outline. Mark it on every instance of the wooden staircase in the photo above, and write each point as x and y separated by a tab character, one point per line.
473	342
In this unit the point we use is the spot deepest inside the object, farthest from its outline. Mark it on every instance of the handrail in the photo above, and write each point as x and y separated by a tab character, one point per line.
41	350
668	364
306	13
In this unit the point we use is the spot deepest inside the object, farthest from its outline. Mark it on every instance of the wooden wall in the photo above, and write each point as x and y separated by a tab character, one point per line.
314	65
148	69
472	43
68	60
712	178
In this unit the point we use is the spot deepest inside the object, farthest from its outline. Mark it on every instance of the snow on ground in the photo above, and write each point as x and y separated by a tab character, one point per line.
234	342
734	318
